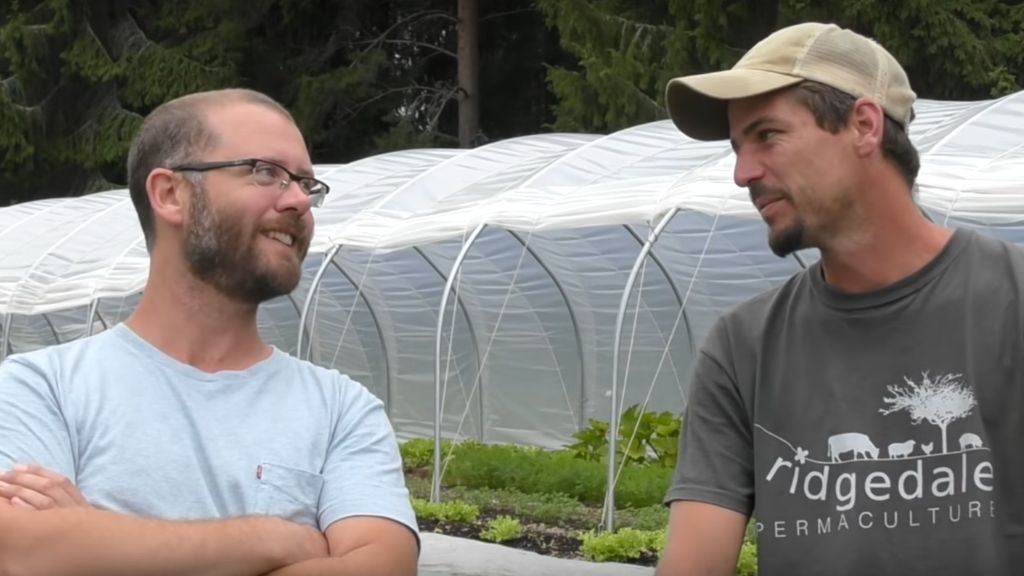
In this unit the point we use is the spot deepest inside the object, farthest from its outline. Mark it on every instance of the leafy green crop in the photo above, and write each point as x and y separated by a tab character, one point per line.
623	545
502	529
453	511
644	438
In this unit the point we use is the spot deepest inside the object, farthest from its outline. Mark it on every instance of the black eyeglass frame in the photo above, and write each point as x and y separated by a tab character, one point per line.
315	189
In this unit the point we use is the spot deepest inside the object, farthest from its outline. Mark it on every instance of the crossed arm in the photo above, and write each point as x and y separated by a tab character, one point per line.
47	527
703	540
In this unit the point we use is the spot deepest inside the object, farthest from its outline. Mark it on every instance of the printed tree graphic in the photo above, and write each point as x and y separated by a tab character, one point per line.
939	401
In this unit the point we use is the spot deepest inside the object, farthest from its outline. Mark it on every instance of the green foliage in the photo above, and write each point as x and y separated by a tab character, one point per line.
451	511
747	565
651	517
360	77
626	50
951	48
16	148
87	58
616	41
502	529
419	452
534	471
629	544
557	509
648	437
591	442
622	545
554	488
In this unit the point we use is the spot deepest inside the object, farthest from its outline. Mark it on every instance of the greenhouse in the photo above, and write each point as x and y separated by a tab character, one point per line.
530	284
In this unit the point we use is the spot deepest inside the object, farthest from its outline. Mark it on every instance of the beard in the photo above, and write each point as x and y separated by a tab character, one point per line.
782	241
787	240
220	253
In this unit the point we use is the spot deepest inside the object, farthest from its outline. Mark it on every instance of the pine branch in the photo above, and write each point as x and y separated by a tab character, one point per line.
507	13
426	14
416	43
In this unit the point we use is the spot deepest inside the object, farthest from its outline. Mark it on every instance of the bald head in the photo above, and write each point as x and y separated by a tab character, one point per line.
177	132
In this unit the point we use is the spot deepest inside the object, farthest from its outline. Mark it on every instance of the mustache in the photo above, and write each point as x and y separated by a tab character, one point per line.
758	189
293	225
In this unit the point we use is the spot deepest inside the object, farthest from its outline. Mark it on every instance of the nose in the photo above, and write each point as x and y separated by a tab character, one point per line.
748	169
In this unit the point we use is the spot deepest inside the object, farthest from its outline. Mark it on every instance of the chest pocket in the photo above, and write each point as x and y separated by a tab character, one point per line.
288	493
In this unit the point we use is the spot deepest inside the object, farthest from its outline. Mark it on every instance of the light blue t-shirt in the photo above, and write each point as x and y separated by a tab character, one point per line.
143	434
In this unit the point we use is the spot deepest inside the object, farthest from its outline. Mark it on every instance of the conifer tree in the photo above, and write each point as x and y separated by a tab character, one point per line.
627	49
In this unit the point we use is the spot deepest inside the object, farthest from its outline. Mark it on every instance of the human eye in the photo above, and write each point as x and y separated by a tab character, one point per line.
308	185
767	134
266	173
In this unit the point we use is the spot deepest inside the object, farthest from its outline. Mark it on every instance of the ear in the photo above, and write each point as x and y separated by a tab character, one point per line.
168	196
868	123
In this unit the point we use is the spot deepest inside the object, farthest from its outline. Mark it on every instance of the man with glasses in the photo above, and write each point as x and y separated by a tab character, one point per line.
179	442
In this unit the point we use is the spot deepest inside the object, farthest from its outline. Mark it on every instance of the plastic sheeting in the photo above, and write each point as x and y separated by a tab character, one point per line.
528	334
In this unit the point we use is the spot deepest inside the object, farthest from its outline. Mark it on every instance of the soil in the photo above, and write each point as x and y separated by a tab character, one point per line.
540	538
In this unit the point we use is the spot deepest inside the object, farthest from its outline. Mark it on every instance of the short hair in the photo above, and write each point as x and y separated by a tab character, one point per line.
177	132
832	108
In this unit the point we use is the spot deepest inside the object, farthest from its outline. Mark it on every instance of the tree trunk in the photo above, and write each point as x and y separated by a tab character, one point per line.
469	74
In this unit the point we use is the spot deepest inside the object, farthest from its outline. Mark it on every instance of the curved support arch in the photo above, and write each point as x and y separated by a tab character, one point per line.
469	326
314	287
608	521
103	321
380	337
435	486
92	315
580	420
53	329
671	282
5	338
7	347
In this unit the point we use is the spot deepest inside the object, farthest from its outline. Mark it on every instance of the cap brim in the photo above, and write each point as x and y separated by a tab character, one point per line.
698	105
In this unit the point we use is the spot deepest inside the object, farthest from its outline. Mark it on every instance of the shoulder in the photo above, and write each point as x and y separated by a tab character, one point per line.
988	261
979	244
59	358
329	381
747	321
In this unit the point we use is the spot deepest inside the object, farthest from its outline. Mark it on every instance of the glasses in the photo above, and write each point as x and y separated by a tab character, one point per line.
266	173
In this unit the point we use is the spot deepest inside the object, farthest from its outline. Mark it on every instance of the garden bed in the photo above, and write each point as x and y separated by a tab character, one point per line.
550	502
540	538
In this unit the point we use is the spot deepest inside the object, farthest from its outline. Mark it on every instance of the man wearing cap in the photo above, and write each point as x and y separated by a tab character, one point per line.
863	412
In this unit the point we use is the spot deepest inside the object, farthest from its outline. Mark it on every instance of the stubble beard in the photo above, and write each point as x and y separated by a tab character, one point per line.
219	253
786	241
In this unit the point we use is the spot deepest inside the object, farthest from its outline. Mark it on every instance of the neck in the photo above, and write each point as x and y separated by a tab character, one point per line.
887	246
196	324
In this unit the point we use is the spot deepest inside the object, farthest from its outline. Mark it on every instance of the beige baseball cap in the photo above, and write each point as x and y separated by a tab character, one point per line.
823	53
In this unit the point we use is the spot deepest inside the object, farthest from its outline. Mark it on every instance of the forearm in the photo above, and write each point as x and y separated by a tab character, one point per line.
85	542
366	561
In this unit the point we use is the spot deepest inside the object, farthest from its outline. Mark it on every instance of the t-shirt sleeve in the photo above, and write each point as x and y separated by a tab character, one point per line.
715	463
363	470
32	425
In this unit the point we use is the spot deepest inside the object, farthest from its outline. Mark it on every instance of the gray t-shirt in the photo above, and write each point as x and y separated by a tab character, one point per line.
874	433
141	433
